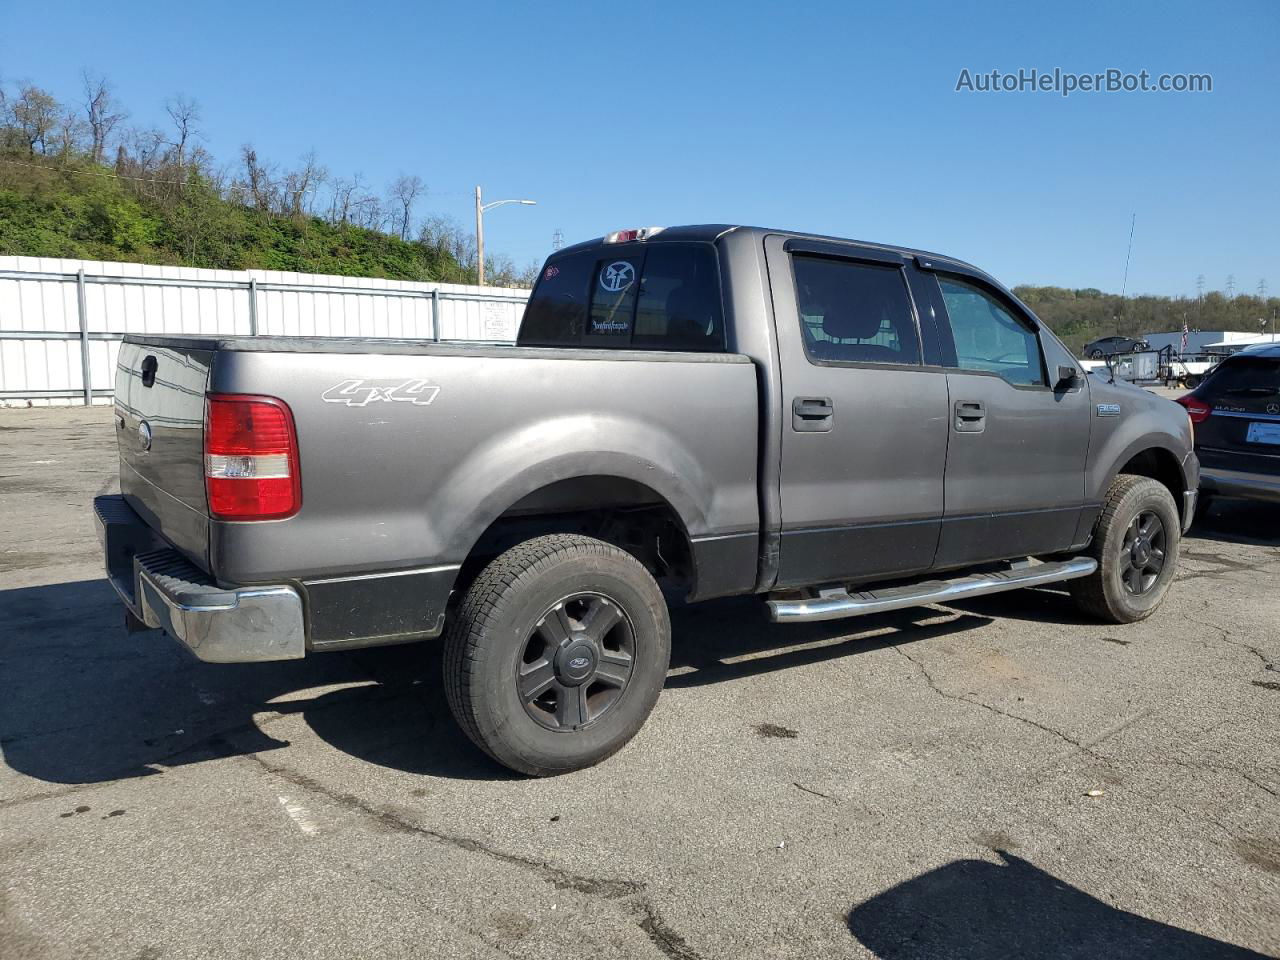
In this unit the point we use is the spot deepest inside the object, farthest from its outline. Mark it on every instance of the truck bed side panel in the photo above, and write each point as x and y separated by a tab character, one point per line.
407	458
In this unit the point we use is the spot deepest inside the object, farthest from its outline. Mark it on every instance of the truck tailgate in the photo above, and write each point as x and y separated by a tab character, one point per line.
160	393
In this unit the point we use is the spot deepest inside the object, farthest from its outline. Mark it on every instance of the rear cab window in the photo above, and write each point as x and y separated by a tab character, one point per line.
854	311
655	296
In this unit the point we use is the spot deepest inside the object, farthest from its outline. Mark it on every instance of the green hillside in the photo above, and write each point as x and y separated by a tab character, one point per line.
75	208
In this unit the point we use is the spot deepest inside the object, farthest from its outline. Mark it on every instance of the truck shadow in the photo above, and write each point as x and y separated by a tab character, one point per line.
1239	521
977	910
83	701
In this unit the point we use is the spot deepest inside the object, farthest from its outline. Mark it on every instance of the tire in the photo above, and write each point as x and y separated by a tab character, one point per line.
532	621
1108	593
1095	354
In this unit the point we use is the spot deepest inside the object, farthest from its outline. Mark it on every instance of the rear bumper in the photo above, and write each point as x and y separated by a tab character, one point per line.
1239	483
164	590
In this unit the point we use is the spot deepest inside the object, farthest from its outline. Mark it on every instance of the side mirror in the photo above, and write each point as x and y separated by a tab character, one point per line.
1068	377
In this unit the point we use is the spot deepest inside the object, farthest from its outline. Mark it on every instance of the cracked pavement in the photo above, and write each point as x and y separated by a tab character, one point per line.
991	779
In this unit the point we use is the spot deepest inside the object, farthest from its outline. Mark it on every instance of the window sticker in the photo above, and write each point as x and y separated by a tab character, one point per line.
617	276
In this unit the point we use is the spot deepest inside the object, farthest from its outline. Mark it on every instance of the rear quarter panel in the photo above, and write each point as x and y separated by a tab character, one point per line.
397	484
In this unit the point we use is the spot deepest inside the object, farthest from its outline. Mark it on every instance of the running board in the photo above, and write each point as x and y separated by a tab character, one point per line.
832	603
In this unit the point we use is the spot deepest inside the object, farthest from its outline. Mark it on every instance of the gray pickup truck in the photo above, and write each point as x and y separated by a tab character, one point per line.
840	428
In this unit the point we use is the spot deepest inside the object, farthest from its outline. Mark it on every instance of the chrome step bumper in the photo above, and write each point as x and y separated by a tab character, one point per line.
164	590
836	602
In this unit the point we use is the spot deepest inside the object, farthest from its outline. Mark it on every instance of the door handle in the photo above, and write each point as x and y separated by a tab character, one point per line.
971	416
812	414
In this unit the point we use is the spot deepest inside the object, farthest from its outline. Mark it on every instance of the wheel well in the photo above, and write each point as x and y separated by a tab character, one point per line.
616	510
1158	464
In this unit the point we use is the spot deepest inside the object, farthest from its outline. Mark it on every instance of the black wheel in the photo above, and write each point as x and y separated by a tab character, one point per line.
1095	354
1135	542
557	654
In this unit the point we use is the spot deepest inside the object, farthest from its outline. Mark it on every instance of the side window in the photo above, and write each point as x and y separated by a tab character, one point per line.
988	337
855	312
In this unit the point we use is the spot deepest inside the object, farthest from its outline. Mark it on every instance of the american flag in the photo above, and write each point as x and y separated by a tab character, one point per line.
1184	336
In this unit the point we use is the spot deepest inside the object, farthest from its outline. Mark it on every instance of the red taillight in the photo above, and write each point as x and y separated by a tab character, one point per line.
1197	410
250	458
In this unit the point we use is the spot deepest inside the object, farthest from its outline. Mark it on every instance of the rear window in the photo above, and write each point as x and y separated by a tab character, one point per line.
1245	376
665	296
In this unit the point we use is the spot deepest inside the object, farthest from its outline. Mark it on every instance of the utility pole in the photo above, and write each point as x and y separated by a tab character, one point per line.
479	239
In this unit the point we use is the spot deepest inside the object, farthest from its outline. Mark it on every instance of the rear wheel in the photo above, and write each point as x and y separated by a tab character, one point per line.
1135	542
557	654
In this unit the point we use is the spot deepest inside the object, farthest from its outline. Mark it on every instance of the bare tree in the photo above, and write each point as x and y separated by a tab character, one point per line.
444	236
346	194
300	185
185	114
367	212
35	114
69	134
258	181
404	191
102	112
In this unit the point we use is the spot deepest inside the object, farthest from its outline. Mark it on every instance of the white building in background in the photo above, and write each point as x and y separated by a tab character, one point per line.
1198	341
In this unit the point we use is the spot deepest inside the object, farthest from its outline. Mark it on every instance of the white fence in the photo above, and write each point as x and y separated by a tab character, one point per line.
61	317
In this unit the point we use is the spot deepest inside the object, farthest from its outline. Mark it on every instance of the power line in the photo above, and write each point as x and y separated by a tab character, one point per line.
90	173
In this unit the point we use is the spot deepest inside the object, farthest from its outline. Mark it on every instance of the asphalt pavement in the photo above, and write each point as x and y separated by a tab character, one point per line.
997	778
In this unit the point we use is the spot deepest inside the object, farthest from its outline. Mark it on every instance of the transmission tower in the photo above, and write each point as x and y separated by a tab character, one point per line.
557	239
1262	291
1231	286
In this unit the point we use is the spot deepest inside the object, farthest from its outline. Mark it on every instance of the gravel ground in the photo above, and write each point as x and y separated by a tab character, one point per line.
998	778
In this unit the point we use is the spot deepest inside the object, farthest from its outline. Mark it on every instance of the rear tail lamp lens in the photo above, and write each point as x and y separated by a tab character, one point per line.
1197	410
250	458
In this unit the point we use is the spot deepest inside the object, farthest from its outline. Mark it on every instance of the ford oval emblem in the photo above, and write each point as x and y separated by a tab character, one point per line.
144	435
577	663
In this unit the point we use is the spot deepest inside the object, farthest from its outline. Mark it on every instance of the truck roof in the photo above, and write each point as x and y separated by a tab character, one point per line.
710	232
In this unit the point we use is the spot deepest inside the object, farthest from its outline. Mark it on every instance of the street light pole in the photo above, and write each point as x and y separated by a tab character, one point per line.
481	207
479	238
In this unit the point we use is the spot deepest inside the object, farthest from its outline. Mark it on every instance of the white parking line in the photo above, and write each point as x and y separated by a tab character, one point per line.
299	815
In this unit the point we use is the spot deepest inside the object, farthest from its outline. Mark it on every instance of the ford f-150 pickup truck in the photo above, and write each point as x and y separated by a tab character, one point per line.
837	427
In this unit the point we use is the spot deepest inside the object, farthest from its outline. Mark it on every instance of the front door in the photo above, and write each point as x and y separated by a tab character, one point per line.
864	423
1015	461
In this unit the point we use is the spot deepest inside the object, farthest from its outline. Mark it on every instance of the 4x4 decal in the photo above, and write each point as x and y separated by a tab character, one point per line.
361	393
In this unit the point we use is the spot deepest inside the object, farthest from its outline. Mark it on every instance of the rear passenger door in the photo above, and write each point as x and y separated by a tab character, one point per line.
1018	442
864	422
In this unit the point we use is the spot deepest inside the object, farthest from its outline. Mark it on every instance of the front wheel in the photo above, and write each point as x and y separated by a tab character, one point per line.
557	654
1135	542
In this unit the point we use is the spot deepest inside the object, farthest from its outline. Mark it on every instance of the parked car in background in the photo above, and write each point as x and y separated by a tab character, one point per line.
1236	413
1113	347
839	428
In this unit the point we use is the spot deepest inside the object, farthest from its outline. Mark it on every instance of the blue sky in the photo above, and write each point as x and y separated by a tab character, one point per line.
837	118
